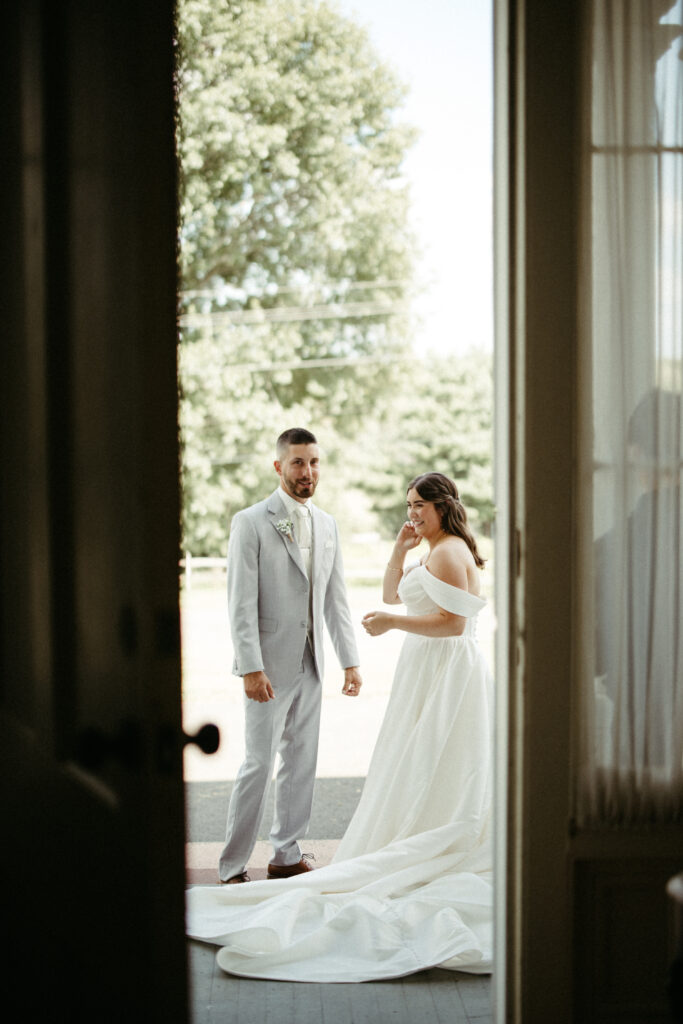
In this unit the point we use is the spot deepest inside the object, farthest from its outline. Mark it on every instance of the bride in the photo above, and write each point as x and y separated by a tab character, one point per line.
410	885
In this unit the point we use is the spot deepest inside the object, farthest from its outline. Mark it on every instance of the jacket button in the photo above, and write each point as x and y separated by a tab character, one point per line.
303	624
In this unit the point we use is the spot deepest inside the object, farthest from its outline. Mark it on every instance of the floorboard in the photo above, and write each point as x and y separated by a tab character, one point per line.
475	990
336	1003
447	993
416	997
308	1005
365	1002
201	964
436	996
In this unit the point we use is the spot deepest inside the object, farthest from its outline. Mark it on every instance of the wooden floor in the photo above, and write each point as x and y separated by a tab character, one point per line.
430	997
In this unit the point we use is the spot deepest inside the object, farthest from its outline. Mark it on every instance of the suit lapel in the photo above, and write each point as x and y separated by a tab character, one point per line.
276	512
318	532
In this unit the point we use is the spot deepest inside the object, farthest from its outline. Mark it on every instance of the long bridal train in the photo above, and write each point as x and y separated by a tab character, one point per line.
411	884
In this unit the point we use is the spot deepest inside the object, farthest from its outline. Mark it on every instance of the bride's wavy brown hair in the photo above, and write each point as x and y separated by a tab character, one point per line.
440	490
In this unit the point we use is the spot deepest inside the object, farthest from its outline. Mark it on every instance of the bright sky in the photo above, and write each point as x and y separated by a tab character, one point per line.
443	49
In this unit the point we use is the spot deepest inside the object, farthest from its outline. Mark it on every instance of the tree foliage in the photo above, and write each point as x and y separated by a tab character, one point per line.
296	265
294	249
440	420
436	414
290	151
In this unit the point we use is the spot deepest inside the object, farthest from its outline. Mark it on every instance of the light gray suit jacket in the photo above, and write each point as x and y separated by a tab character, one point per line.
268	593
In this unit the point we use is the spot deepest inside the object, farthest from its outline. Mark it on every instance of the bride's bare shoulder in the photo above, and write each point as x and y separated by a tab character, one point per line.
452	562
448	563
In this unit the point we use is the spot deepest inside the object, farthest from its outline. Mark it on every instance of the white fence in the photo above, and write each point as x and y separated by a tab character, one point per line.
192	563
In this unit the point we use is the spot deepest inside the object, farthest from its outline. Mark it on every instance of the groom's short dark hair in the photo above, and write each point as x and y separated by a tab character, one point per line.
295	435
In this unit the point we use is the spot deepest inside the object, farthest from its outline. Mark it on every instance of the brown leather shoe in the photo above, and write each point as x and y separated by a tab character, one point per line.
236	879
287	870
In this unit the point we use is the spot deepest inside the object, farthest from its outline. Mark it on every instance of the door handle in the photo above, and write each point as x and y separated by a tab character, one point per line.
207	738
170	745
94	747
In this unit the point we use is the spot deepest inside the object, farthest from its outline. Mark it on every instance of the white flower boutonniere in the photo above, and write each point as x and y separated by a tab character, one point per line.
285	526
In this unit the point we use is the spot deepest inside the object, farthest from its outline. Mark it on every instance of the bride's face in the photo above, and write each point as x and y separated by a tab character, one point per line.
423	515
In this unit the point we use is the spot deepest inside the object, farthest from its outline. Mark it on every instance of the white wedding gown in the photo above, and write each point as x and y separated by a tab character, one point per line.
410	886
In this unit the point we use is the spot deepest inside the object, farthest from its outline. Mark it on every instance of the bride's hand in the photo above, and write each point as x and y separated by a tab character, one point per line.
376	623
407	538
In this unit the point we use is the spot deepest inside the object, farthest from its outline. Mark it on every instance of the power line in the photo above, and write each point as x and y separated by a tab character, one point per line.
318	364
213	293
293	314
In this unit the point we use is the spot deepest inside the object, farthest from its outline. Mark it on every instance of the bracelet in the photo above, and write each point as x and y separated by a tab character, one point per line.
392	568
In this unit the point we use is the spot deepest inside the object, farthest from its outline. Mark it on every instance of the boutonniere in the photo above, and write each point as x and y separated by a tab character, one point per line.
285	526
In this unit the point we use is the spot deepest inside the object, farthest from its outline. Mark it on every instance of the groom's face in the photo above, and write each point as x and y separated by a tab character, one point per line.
299	469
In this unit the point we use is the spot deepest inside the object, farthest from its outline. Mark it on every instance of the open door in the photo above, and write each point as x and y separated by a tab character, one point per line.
588	156
91	783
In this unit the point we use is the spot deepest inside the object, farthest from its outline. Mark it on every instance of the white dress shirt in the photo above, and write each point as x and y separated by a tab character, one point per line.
300	514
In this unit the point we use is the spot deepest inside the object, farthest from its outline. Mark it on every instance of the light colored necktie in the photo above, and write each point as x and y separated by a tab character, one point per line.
304	527
305	542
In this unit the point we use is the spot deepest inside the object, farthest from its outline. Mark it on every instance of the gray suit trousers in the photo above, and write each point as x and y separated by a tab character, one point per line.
288	725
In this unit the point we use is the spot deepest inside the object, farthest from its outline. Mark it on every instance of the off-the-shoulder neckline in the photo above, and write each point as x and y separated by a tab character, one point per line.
420	565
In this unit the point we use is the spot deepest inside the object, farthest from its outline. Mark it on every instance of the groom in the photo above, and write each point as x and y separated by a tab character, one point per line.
284	575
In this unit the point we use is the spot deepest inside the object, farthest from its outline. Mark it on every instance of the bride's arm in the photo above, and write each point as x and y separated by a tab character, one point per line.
393	574
441	623
436	624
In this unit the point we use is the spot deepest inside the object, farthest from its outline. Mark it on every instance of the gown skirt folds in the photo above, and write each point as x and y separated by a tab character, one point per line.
410	886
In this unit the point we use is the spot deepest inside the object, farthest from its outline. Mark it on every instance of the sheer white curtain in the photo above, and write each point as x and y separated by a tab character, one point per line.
630	708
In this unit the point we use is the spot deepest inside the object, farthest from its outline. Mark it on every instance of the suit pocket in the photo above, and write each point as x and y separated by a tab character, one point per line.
267	625
328	554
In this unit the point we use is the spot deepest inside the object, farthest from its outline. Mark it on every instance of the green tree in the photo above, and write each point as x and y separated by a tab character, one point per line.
295	255
440	420
290	151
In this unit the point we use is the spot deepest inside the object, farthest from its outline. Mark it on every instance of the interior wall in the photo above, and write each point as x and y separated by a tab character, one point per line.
588	933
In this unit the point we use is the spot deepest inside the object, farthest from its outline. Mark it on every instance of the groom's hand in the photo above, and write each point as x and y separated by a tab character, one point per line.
257	686
352	681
